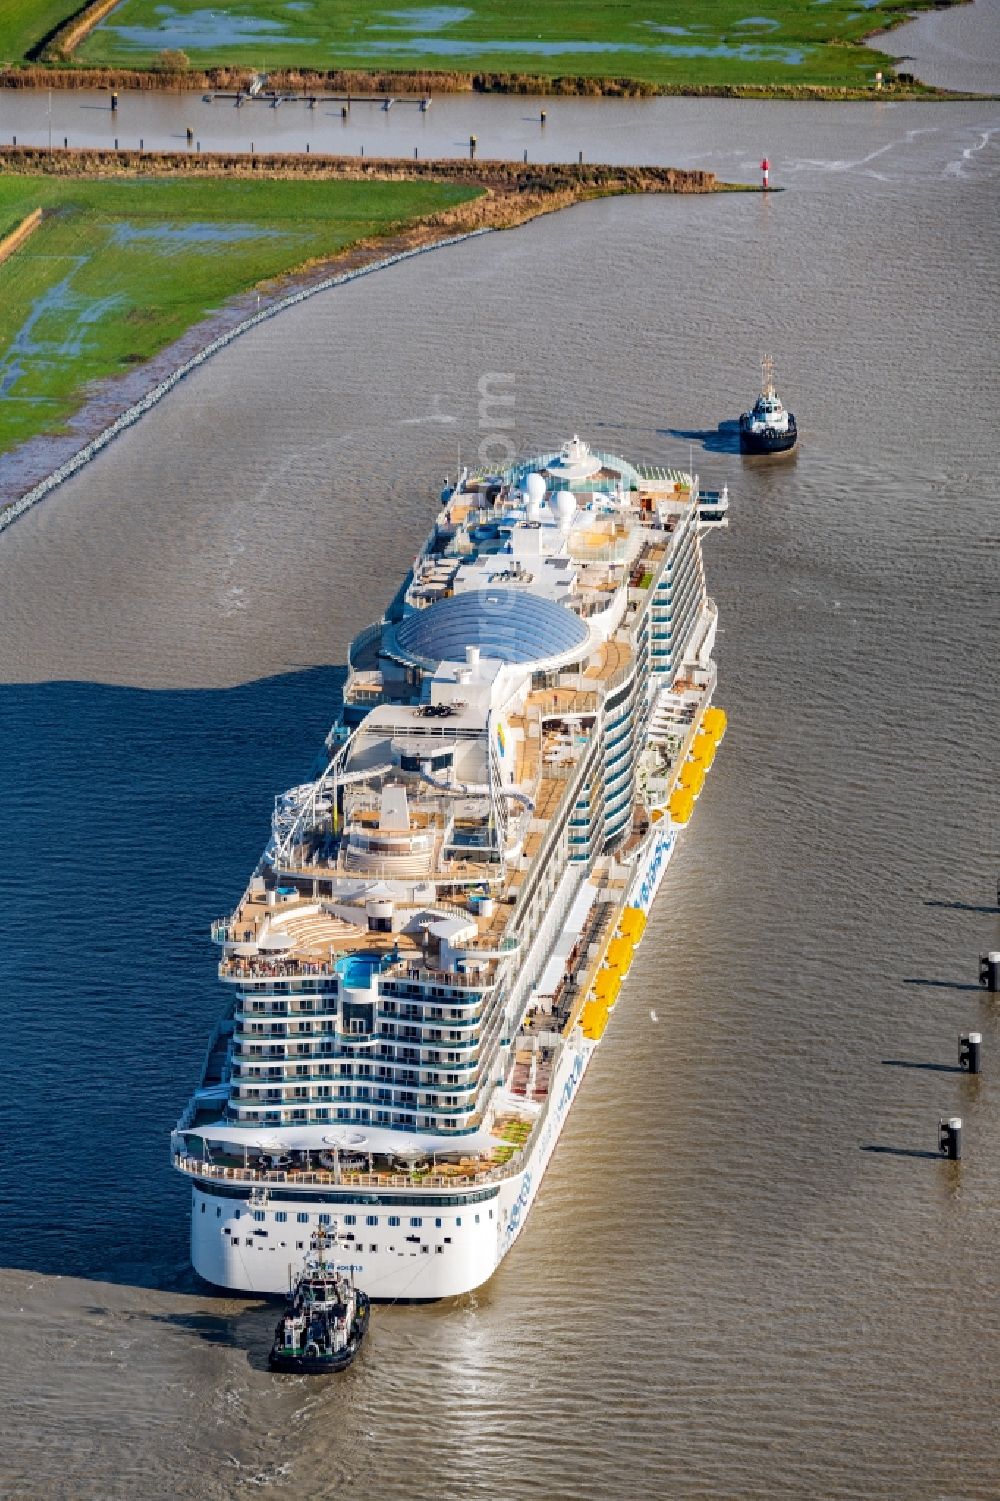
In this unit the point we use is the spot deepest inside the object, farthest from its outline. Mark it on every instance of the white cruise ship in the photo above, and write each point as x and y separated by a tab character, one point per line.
436	936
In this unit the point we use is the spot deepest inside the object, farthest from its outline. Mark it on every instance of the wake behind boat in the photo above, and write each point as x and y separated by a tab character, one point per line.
767	427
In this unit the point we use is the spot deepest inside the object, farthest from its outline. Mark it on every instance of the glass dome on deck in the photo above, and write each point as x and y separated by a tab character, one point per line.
576	466
509	624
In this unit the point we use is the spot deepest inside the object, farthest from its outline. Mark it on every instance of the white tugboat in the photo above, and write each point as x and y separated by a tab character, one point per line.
326	1318
767	427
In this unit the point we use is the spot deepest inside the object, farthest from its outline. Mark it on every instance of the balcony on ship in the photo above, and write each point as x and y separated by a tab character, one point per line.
350	1157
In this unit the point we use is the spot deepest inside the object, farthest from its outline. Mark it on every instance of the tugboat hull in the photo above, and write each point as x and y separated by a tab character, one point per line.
767	440
281	1359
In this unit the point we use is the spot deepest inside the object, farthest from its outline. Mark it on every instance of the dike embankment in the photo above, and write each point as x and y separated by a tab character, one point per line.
494	177
512	194
508	186
19	234
63	74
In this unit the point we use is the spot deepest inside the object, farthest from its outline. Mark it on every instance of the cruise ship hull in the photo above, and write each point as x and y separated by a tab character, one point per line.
432	945
474	1230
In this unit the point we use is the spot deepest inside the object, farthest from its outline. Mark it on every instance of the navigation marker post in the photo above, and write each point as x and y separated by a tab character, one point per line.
970	1049
950	1138
765	167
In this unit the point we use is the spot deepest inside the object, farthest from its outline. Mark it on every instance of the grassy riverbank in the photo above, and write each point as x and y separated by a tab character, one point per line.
586	45
119	269
135	250
25	24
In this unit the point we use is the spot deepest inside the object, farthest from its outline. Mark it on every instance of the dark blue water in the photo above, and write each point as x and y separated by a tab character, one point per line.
130	818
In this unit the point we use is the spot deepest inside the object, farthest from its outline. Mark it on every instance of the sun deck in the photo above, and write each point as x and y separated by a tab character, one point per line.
491	697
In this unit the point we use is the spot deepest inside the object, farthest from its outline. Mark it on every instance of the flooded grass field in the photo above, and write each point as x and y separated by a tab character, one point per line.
117	270
677	43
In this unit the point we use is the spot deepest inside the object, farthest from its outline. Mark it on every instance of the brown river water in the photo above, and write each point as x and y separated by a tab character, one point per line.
744	1276
955	48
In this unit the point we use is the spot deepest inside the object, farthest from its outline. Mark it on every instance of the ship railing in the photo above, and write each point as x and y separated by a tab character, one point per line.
200	1167
550	705
559	771
619	676
581	682
274	969
362	641
609	552
363	687
451	977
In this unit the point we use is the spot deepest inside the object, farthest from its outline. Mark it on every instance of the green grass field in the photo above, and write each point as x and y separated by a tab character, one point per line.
23	24
669	42
120	268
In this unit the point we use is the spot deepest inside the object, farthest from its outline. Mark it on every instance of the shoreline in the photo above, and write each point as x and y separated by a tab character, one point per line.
512	195
422	84
19	507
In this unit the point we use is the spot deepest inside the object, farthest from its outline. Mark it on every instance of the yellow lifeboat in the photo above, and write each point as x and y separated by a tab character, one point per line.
703	750
593	1020
681	805
692	777
633	923
620	954
605	983
714	722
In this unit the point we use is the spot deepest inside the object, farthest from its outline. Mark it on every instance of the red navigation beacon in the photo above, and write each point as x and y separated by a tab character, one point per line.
765	167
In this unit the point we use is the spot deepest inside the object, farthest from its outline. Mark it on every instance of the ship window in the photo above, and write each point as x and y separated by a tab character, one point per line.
218	1211
477	1219
203	1209
300	1245
491	1214
437	1224
281	1216
258	1215
324	1219
373	1248
350	1219
447	1240
425	1250
439	1250
415	1224
371	1219
237	1214
394	1219
249	1240
303	1219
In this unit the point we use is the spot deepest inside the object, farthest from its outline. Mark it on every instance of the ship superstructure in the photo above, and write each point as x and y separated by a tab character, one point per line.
429	950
